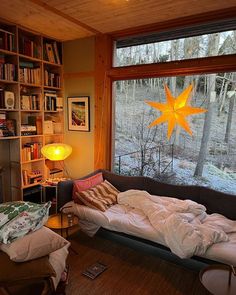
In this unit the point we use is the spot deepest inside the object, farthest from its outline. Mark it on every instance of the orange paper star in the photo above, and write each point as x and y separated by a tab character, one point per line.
175	110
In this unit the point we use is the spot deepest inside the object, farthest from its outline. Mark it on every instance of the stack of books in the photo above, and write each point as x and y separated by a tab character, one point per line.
31	151
7	70
29	74
30	102
29	47
7	40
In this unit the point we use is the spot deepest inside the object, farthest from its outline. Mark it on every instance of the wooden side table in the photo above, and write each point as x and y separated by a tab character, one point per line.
219	279
62	222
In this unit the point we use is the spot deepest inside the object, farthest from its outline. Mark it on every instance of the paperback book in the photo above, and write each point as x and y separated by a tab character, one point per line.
94	270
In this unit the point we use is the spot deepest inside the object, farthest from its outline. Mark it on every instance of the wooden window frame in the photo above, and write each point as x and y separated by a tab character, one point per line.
106	74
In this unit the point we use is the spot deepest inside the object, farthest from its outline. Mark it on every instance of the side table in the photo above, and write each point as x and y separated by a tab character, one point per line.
63	222
219	279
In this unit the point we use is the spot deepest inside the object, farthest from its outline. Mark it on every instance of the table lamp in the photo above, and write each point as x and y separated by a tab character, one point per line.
56	151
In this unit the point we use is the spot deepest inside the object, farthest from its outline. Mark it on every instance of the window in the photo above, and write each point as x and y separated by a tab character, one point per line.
155	51
140	150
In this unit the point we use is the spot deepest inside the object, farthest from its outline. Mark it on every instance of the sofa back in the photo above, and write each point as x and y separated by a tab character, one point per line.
214	201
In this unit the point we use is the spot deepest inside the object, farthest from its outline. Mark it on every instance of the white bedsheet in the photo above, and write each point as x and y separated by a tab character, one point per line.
132	221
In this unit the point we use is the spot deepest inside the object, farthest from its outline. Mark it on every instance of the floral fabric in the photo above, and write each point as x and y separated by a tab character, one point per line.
19	218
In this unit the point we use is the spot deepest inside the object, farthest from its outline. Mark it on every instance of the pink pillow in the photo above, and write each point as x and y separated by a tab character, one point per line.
80	185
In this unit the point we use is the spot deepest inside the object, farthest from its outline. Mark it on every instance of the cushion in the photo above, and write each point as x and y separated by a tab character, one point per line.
19	218
100	197
34	245
13	271
84	184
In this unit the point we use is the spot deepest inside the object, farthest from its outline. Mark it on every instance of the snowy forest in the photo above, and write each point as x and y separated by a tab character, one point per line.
207	158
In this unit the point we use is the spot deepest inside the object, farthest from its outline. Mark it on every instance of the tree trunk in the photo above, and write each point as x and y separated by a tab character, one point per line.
211	83
222	106
229	120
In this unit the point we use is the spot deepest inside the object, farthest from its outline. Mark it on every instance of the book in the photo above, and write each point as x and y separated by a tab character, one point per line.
50	54
56	54
10	127
94	270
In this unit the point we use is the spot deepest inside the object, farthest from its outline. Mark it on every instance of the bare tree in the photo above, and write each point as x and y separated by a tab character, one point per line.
231	107
211	82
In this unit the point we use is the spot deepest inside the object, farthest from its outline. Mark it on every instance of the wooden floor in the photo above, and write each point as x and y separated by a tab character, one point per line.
129	271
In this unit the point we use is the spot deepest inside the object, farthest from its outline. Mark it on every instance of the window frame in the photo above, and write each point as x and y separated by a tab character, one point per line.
106	74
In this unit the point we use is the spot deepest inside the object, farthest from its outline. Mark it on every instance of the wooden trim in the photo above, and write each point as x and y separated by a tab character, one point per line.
179	22
65	16
103	103
175	68
79	75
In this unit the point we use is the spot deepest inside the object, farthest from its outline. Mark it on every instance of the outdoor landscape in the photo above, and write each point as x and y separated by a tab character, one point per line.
208	157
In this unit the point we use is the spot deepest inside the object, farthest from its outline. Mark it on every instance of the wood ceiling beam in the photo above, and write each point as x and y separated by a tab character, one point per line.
213	64
64	15
191	20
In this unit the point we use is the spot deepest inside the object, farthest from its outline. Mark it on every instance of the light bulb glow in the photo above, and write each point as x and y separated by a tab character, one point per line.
56	151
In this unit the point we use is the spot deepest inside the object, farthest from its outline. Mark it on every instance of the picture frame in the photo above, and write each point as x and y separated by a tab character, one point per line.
79	113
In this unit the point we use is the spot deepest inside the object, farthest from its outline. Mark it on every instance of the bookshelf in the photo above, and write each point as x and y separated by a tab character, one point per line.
31	108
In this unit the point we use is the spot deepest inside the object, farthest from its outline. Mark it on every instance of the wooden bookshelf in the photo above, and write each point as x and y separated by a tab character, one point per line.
30	71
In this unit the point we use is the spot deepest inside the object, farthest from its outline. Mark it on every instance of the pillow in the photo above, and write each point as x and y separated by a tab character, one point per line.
34	245
84	184
19	218
100	197
11	271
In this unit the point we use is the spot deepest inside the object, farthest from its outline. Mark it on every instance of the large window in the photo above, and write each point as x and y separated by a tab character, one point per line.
207	158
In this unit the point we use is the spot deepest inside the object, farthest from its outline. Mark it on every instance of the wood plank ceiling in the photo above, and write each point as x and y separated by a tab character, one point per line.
72	19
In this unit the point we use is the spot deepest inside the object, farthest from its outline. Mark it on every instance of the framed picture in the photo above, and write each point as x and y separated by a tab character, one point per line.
78	113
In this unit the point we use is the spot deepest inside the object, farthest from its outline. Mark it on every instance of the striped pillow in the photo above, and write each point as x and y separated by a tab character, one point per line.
100	197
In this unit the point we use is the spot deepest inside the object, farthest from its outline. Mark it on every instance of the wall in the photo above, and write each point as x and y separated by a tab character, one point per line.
79	80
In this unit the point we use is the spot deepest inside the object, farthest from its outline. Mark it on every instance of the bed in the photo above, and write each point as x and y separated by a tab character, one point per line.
131	221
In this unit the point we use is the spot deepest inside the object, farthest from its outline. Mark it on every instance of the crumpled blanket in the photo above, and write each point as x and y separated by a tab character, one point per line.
184	224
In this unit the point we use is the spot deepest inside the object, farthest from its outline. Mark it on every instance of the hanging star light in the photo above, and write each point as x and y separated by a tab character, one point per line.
175	110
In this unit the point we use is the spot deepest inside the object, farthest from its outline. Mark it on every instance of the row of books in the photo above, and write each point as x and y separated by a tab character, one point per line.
7	40
30	102
52	79
7	71
52	102
29	177
30	75
31	151
29	47
51	53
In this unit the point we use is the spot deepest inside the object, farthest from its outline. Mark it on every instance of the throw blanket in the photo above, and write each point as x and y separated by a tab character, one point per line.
185	226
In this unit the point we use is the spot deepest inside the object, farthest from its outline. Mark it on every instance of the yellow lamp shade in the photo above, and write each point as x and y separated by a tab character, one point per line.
56	151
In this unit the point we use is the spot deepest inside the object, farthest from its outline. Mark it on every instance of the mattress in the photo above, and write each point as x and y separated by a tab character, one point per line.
132	221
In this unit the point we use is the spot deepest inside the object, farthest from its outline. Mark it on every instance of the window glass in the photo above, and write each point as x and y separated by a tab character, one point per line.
215	44
207	158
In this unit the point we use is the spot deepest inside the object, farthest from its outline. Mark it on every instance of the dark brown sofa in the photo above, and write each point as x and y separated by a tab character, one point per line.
214	201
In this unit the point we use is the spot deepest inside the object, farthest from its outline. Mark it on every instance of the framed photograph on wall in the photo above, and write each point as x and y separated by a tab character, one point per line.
78	113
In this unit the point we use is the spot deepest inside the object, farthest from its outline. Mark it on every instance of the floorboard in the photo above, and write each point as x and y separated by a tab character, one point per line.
129	271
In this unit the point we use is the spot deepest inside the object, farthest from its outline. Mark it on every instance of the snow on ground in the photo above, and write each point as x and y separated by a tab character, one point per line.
212	177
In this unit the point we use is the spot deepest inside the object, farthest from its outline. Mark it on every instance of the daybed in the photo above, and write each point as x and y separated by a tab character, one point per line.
124	220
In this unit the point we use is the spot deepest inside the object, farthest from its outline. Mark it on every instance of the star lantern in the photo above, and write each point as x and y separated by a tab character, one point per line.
175	110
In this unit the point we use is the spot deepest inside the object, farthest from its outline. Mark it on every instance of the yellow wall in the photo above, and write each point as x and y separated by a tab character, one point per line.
79	57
